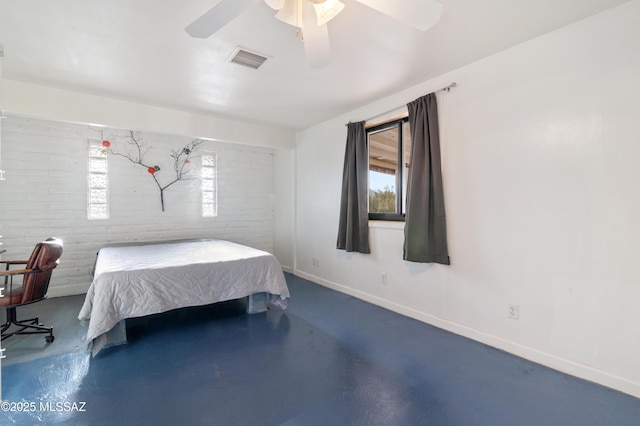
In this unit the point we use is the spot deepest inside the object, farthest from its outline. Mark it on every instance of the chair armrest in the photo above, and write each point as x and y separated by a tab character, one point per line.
16	272
14	262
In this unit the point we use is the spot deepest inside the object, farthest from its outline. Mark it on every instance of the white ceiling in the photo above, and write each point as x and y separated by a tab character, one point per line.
138	50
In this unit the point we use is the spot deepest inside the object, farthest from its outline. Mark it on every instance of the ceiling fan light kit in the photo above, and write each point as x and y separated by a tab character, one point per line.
328	10
313	15
292	11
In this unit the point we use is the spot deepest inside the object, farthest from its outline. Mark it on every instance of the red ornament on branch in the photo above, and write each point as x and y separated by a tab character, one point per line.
151	170
106	144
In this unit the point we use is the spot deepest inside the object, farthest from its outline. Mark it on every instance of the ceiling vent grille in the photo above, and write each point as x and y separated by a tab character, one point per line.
243	57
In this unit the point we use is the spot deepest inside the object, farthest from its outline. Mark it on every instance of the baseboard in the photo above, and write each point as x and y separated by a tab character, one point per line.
549	360
288	269
67	290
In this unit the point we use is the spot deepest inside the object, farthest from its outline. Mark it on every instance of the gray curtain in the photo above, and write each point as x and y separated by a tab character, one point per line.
353	230
425	233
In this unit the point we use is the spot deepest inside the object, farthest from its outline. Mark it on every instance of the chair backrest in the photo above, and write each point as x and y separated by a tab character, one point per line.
44	259
31	263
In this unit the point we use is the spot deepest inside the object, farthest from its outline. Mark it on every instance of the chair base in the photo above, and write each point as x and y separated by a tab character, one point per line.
29	326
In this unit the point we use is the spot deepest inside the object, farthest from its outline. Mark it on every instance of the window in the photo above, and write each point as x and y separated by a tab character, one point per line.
389	158
209	185
98	182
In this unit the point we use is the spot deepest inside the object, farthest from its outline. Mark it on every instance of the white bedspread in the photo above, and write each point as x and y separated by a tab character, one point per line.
133	281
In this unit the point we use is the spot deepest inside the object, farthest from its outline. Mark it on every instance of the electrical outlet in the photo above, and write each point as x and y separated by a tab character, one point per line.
383	279
315	262
513	312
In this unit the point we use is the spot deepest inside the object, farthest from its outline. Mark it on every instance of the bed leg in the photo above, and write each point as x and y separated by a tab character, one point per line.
257	303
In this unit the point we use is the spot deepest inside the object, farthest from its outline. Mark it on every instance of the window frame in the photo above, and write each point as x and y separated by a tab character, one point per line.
95	146
398	123
214	180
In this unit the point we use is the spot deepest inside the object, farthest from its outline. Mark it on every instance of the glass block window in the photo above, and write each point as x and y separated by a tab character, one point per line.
209	184
98	182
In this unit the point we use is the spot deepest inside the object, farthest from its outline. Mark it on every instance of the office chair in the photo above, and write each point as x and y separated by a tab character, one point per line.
34	277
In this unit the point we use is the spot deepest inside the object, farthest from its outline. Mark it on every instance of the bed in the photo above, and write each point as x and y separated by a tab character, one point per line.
148	278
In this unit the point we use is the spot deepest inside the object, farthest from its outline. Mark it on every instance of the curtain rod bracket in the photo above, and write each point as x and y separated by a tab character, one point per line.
449	87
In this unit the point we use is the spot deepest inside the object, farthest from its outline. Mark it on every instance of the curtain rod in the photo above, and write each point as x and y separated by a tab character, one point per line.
444	89
447	88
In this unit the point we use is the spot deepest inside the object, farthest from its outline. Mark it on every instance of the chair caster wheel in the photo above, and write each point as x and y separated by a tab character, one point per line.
49	339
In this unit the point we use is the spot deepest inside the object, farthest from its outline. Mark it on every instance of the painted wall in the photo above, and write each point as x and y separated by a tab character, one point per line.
57	104
45	195
21	99
541	146
284	207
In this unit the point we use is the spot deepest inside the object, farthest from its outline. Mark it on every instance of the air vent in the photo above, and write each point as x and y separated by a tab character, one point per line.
242	56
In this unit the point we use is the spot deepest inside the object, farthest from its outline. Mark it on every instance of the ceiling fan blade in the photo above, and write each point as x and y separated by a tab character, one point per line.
420	14
316	40
217	17
275	4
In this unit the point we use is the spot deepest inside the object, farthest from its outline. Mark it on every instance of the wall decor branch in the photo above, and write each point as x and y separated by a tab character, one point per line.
139	149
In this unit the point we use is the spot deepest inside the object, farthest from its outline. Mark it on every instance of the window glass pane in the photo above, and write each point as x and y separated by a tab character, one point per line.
96	150
207	172
98	196
207	184
208	210
207	197
406	136
97	165
98	211
97	181
383	171
207	161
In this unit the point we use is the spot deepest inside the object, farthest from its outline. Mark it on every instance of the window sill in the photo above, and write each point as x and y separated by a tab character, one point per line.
386	224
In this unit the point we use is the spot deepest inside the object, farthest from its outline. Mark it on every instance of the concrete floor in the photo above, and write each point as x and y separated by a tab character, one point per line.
329	359
61	313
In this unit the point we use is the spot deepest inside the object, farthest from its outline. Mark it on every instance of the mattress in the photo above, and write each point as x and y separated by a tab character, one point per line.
137	280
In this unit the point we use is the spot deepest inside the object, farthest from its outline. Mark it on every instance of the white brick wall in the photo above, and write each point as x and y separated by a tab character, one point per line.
45	195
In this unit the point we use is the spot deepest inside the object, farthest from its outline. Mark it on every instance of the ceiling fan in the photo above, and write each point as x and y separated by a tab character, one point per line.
311	17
